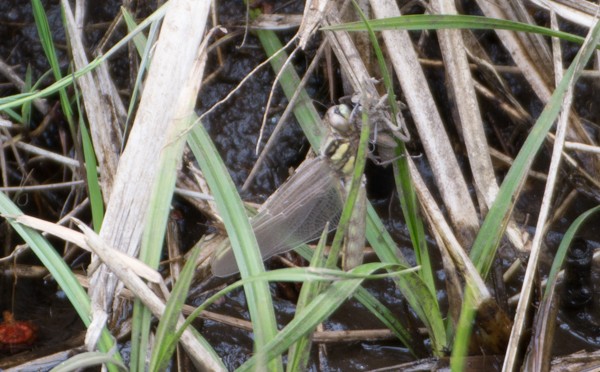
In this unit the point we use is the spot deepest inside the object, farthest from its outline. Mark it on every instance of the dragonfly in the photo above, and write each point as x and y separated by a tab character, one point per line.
299	210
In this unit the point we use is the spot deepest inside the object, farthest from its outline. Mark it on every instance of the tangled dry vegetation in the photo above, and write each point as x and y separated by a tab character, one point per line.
124	155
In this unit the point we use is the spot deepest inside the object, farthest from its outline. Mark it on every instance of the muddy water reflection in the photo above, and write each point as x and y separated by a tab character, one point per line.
58	325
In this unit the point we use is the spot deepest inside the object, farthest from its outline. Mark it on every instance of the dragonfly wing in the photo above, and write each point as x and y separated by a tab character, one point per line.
296	213
223	263
301	223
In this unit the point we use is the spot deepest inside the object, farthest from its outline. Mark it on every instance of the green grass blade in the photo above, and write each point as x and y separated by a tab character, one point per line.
139	41
544	323
166	341
154	231
14	116
419	22
386	316
299	353
19	99
416	292
159	204
91	170
155	226
404	186
564	247
488	238
26	109
241	236
140	336
43	28
88	360
317	311
373	304
144	49
356	183
45	35
298	275
90	159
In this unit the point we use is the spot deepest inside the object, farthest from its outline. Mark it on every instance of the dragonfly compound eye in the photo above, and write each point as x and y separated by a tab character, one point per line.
338	117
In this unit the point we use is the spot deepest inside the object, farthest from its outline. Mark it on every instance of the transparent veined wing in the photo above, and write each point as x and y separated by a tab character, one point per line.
295	214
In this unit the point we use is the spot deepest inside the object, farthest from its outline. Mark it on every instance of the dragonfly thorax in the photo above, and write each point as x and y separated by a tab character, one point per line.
340	153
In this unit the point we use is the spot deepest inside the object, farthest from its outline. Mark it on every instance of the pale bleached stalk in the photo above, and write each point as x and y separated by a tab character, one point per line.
123	270
536	245
174	57
459	257
580	12
311	20
349	59
48	155
465	98
519	54
103	107
532	65
447	173
461	83
582	147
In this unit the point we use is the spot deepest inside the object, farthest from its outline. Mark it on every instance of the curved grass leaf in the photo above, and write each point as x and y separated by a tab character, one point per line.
241	236
166	339
566	241
88	360
419	22
19	99
314	313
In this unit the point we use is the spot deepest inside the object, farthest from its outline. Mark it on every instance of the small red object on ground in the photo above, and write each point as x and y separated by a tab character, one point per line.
16	335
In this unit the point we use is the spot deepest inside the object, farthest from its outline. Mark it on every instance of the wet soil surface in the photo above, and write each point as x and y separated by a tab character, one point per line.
234	128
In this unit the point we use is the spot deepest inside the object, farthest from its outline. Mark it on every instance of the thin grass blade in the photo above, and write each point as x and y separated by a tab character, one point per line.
317	311
298	355
419	22
166	340
240	234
